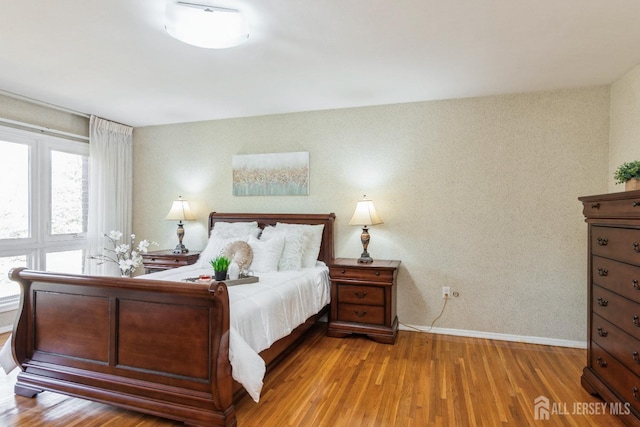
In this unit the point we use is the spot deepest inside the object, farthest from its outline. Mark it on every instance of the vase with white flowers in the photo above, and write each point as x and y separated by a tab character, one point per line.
123	254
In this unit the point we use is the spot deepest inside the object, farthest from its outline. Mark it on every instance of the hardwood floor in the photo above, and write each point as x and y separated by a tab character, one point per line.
422	380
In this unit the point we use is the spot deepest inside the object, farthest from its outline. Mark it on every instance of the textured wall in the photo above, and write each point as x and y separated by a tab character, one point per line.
477	194
624	136
26	112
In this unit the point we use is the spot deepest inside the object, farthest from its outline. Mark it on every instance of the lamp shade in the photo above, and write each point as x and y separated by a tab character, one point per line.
365	214
206	26
180	211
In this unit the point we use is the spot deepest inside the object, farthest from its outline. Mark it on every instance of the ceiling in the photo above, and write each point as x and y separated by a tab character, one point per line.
115	60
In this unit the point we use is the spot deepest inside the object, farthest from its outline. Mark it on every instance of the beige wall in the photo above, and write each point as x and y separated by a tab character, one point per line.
38	115
624	136
477	194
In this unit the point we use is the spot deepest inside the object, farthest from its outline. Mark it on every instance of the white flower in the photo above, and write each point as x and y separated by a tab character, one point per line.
128	260
122	249
143	246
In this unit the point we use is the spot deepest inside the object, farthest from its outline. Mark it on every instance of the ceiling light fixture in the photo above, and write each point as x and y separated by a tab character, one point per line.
206	26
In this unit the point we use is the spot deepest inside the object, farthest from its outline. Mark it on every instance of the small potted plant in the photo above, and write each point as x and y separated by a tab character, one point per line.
629	175
220	266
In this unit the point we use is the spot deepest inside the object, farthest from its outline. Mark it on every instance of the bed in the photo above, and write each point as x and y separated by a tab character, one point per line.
154	346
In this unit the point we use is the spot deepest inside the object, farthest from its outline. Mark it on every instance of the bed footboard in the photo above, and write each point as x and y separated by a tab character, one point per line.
152	346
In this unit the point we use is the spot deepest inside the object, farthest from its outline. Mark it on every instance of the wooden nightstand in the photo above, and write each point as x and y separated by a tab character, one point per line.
165	260
363	299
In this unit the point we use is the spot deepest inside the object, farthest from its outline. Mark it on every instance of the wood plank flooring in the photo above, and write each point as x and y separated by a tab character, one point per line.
422	380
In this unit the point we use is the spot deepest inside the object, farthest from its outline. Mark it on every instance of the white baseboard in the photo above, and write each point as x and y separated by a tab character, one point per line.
495	336
5	329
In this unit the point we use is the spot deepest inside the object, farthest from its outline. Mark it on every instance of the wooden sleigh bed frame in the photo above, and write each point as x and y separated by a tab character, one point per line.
156	347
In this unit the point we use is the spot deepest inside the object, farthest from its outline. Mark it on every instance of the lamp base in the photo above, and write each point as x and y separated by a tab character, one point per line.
180	249
364	239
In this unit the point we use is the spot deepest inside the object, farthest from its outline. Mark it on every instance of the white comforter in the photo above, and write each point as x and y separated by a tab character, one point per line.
263	312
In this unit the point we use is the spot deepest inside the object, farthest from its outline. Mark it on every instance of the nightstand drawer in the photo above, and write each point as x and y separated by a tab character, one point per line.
346	273
361	313
165	261
367	295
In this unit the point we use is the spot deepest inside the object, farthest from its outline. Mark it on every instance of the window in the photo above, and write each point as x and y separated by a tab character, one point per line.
43	214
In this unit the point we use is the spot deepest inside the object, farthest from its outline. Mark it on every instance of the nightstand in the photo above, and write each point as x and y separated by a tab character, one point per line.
165	260
363	299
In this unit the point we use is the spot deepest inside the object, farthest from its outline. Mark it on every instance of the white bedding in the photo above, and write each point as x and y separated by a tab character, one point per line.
263	312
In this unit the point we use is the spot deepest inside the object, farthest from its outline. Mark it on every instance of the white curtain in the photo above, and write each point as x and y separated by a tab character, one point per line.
110	189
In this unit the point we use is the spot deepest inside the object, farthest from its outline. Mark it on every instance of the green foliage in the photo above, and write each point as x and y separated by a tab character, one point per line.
627	171
220	263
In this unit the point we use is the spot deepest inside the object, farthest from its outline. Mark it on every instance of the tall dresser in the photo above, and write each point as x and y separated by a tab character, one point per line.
613	359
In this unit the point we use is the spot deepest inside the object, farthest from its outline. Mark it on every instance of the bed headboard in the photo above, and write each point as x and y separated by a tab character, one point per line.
326	248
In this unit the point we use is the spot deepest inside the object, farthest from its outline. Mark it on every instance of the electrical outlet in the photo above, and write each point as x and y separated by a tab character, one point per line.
446	292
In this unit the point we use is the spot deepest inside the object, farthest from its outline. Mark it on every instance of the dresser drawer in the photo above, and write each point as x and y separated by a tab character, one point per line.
625	208
622	244
367	295
619	378
364	274
361	313
616	342
621	278
623	313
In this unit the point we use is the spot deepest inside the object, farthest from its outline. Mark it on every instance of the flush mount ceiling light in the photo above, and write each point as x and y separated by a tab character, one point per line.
206	26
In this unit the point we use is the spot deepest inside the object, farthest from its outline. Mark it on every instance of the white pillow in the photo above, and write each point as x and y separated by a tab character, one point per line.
214	248
313	235
295	241
266	254
235	229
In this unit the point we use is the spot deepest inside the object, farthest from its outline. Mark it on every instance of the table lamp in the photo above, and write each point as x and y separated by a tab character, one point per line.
180	211
365	215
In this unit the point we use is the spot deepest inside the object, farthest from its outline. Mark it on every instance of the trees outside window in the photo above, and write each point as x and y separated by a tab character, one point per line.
43	213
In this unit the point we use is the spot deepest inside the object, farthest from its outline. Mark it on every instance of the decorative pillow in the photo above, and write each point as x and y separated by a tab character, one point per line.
214	248
239	252
294	244
313	241
227	230
266	254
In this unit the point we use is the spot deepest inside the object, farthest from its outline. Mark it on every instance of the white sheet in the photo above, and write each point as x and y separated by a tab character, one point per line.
262	313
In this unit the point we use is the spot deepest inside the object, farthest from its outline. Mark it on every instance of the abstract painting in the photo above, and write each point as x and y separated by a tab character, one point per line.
274	174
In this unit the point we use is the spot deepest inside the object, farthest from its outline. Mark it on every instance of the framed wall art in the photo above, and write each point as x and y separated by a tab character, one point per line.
273	174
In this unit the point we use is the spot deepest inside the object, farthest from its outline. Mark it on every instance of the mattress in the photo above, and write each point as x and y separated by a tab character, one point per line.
261	313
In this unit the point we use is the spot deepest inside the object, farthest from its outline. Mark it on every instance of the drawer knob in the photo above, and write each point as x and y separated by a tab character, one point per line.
603	302
636	286
602	271
153	259
600	362
635	393
342	271
636	204
360	313
602	332
602	241
636	321
636	357
595	205
377	273
360	294
636	247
